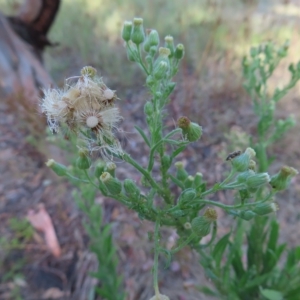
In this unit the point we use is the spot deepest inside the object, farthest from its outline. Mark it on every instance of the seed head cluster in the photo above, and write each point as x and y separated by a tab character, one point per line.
87	109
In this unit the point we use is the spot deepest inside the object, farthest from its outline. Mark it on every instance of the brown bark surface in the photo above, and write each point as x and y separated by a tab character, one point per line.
22	40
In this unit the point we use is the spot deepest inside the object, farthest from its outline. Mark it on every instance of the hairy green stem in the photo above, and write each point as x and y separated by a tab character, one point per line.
89	179
77	179
140	61
224	206
126	157
156	254
186	242
221	185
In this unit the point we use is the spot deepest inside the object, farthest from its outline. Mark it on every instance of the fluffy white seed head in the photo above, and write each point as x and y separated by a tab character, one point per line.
86	107
92	121
108	94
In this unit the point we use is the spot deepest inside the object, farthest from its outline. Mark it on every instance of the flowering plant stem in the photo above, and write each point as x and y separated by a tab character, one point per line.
156	254
167	196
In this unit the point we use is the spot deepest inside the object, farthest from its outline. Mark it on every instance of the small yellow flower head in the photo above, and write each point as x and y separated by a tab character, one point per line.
169	43
187	226
89	71
164	52
87	109
211	214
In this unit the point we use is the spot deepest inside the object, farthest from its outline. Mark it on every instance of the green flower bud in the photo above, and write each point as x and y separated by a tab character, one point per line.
179	51
189	182
281	180
126	31
186	197
158	95
138	34
153	50
161	70
146	43
201	225
169	43
83	162
131	188
198	179
147	49
150	81
59	169
244	194
131	54
88	71
242	177
166	162
241	162
152	42
265	208
99	168
191	131
159	297
162	57
112	184
170	87
178	213
148	108
257	180
111	168
181	173
153	38
247	215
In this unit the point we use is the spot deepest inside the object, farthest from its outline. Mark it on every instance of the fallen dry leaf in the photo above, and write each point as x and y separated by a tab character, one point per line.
41	221
53	293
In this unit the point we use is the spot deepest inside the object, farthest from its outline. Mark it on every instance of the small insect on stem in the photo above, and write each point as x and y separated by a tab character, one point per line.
233	155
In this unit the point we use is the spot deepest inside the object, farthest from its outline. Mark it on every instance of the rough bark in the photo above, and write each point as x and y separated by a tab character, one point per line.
22	40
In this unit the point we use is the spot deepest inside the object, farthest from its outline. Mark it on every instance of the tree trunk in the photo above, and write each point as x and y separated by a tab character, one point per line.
22	40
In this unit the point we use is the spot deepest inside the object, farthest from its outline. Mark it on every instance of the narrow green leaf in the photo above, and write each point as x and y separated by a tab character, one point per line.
207	291
293	294
237	263
176	181
273	237
178	151
220	248
271	294
258	280
210	274
141	132
297	253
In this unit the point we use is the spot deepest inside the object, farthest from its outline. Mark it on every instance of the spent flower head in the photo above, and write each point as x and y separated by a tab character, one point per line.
87	109
281	180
